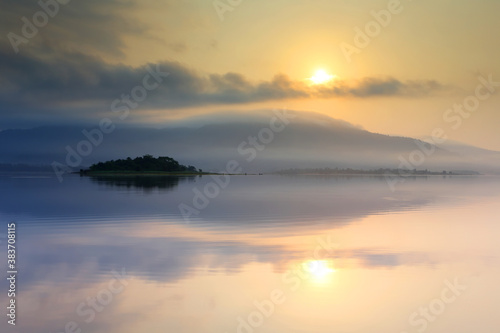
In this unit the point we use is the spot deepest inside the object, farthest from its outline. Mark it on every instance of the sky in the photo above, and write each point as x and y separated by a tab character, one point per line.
391	67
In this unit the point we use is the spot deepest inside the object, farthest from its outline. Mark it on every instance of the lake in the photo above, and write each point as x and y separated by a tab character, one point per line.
265	254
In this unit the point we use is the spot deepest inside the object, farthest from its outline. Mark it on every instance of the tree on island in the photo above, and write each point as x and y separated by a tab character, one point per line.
144	163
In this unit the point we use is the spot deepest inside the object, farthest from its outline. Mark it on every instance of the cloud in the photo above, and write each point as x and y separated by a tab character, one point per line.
370	87
72	85
70	71
92	26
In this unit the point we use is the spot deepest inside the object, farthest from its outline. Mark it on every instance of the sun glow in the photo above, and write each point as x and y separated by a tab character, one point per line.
321	76
318	269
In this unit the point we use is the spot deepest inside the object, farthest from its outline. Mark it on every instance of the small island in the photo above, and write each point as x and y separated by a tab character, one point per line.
145	165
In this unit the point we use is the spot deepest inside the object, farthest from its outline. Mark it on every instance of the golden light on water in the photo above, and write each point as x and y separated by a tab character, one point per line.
319	270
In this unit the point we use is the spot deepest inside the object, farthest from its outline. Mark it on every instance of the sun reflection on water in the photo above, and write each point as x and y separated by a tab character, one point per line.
318	270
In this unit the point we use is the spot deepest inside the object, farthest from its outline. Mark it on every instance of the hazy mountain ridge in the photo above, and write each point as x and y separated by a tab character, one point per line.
309	141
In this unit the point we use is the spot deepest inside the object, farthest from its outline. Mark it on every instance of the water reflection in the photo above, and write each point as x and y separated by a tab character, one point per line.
146	183
261	203
345	254
319	270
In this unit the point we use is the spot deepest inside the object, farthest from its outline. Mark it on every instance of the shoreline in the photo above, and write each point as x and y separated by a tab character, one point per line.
158	173
374	174
141	173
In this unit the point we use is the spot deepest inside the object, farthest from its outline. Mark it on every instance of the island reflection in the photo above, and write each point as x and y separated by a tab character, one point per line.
146	183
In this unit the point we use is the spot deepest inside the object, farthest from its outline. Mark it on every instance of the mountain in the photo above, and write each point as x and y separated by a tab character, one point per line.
260	142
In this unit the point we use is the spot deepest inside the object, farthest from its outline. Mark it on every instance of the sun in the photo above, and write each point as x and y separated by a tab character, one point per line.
321	77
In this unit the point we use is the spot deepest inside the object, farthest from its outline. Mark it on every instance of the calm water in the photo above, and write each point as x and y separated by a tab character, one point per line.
264	254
